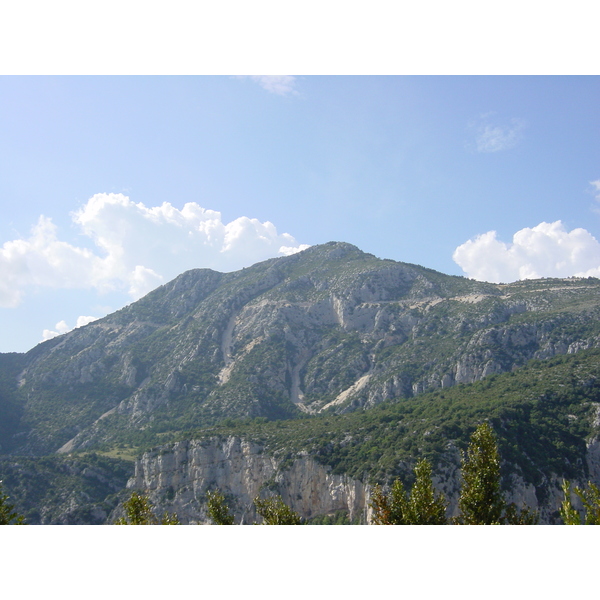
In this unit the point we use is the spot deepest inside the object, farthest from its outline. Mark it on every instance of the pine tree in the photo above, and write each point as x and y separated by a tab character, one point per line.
390	509
8	515
422	507
139	511
425	506
481	501
218	511
274	511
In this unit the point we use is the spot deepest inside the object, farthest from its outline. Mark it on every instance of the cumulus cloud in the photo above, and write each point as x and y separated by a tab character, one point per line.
288	250
494	137
282	85
62	327
547	250
137	248
43	260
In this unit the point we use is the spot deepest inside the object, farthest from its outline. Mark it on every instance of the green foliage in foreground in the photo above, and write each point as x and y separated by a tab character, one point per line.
422	507
274	511
218	511
8	514
481	501
590	499
542	415
139	511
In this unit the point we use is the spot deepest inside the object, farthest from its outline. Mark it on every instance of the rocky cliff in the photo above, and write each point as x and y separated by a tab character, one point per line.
176	478
330	329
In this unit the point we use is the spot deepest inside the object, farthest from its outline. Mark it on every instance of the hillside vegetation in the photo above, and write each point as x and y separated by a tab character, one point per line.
365	364
544	414
328	330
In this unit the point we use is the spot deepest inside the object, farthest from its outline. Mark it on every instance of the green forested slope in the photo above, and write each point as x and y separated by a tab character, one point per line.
543	413
81	489
11	409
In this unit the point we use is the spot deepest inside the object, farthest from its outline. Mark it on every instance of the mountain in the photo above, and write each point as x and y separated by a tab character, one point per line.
546	415
328	331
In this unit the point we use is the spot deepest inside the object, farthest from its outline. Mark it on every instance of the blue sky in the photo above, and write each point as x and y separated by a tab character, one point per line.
113	185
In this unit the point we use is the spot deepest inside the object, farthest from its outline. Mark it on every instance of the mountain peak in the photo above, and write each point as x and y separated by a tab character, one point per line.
330	328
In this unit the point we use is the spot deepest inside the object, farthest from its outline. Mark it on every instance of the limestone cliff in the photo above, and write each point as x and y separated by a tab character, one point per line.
177	477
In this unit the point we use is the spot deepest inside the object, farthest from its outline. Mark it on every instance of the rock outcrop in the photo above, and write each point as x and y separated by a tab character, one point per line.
328	329
176	479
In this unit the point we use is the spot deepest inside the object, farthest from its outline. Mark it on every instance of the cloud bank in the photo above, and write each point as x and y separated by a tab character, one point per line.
137	248
547	250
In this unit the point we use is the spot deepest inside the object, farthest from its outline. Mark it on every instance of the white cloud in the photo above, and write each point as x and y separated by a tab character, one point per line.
596	184
138	248
62	327
547	250
42	260
494	137
288	250
282	85
81	321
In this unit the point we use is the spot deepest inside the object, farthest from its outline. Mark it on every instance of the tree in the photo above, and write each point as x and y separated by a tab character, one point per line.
218	511
422	507
425	506
481	501
274	511
139	511
525	516
590	499
169	519
390	509
8	515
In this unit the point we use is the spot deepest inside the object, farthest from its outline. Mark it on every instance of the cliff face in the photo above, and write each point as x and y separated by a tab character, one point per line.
176	479
327	329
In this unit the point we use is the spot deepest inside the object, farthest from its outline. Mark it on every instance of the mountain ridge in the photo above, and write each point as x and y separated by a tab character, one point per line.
327	333
327	329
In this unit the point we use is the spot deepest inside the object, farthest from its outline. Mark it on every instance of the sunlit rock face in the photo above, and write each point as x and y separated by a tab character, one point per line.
176	479
327	329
